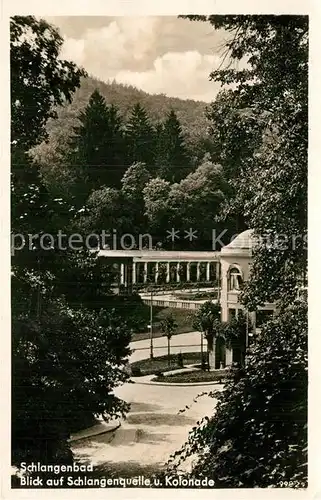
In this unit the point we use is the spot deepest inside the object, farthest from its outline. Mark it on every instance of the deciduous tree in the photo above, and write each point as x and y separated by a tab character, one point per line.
258	435
264	406
168	326
207	320
66	355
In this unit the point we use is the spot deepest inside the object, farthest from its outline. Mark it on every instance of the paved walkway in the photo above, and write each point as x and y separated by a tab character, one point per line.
95	430
155	427
158	423
184	342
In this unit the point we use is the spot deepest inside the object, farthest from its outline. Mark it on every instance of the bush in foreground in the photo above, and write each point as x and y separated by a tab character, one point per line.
258	435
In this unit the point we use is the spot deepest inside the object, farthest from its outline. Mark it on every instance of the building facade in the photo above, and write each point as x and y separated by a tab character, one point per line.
226	271
235	265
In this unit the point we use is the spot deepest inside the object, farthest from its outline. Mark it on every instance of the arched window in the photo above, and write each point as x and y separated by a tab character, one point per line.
235	279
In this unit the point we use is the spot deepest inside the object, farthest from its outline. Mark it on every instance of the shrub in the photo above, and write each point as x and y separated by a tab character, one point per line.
204	364
180	360
136	371
263	407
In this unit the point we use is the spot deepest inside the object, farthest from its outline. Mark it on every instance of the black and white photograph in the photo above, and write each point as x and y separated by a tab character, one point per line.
159	286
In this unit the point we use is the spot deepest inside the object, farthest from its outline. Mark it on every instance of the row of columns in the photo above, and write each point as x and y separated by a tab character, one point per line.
124	269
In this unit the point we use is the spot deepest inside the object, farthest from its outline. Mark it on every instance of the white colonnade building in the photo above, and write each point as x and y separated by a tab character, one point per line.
139	267
225	270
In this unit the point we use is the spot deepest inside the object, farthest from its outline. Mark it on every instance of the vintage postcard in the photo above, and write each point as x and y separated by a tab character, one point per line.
159	285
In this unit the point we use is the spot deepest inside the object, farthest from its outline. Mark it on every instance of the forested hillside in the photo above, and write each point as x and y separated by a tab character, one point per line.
108	128
169	134
191	114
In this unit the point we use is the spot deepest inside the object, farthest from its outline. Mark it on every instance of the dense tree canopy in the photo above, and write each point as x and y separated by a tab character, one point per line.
38	78
67	353
133	183
64	368
194	202
191	114
258	435
271	114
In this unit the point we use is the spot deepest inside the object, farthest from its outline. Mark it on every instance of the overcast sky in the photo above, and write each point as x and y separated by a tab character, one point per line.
157	54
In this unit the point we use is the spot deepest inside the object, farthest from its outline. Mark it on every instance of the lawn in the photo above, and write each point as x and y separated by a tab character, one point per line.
190	377
196	296
160	364
183	319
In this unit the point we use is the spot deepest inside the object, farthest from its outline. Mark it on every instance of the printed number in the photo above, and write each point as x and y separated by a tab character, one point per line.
292	484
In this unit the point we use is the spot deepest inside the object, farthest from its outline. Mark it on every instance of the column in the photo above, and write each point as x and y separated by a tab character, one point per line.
198	272
126	275
178	278
188	271
228	356
134	273
145	271
167	272
156	272
122	273
208	271
218	278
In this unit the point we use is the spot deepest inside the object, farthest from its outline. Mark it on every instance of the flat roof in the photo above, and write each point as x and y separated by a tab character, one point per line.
160	255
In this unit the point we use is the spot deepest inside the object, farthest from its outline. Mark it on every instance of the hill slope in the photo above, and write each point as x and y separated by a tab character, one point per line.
190	113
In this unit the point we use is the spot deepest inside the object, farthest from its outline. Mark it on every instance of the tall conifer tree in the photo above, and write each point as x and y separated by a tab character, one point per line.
140	137
173	163
97	146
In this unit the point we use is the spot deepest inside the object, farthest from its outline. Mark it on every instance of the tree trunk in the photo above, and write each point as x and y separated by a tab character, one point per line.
169	350
211	352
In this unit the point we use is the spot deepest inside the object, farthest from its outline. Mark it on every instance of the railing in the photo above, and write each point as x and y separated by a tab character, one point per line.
174	303
175	287
196	347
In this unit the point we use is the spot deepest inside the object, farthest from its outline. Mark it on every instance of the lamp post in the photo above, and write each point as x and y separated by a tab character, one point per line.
151	324
246	336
